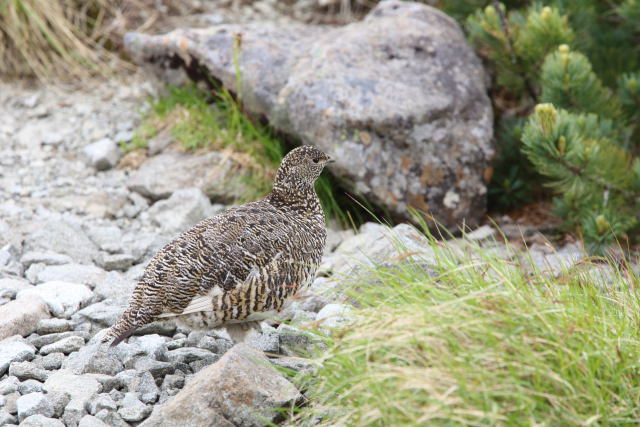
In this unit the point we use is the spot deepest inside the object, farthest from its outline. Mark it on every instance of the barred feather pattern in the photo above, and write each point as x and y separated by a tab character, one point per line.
244	261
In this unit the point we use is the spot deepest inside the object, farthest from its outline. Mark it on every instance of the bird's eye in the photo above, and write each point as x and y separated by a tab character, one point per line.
316	160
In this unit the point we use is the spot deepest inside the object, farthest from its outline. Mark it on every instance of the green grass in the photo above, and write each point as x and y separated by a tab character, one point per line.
202	120
480	341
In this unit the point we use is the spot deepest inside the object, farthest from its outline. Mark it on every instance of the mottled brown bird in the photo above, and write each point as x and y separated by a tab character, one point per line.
238	267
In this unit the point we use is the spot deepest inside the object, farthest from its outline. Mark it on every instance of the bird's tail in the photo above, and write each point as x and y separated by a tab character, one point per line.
122	329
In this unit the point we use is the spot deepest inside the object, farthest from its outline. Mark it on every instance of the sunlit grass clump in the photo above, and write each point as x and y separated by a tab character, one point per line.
480	341
202	119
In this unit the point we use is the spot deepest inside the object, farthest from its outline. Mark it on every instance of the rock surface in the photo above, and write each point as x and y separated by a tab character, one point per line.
22	317
240	389
422	140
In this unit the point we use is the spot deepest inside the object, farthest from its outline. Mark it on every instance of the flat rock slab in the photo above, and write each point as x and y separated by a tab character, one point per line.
62	298
240	389
217	174
22	317
398	99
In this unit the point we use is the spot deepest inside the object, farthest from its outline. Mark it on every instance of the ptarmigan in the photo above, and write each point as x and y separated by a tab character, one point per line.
238	267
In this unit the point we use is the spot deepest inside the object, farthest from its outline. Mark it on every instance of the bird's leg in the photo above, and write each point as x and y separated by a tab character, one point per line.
239	331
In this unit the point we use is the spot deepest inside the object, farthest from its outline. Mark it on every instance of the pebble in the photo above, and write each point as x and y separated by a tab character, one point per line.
27	370
65	345
32	404
29	386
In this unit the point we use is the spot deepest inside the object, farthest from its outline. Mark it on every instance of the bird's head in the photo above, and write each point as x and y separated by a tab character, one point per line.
300	168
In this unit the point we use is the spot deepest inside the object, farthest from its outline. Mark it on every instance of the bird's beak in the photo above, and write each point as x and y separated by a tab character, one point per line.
330	160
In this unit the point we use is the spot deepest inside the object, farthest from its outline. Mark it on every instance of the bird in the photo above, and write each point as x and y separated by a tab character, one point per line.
238	267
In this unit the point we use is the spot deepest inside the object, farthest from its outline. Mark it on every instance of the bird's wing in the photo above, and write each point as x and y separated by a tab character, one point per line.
217	256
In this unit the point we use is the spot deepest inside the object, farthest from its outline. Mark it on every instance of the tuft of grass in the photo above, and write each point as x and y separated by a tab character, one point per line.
200	120
477	339
53	38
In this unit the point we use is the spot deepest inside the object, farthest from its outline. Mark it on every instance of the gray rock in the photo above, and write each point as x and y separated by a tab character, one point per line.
268	341
9	260
145	385
216	174
111	262
421	141
10	402
334	315
91	421
293	341
62	298
167	328
111	418
296	364
190	354
185	208
157	368
14	349
47	258
153	345
104	313
32	404
39	420
93	358
158	143
107	237
74	411
103	154
22	317
214	345
28	370
50	362
122	381
9	385
10	286
132	409
30	386
77	386
116	287
40	341
65	345
62	235
89	275
241	389
6	418
59	401
172	381
100	402
53	325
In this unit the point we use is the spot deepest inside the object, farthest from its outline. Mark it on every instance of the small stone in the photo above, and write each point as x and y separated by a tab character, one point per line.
74	411
14	349
53	325
115	287
77	386
153	345
296	364
167	328
132	409
111	418
10	402
66	346
28	370
157	368
9	385
91	421
145	386
9	287
30	386
185	208
33	403
103	154
100	402
79	274
334	315
39	420
120	262
50	362
191	354
116	395
47	258
177	343
93	358
159	142
172	381
123	380
268	341
103	313
59	401
6	418
40	341
21	317
293	341
62	298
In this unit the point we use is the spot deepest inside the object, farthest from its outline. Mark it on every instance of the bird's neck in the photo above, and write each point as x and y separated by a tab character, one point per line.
299	197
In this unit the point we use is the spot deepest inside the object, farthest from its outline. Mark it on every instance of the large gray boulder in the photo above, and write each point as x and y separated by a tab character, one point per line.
241	389
398	99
